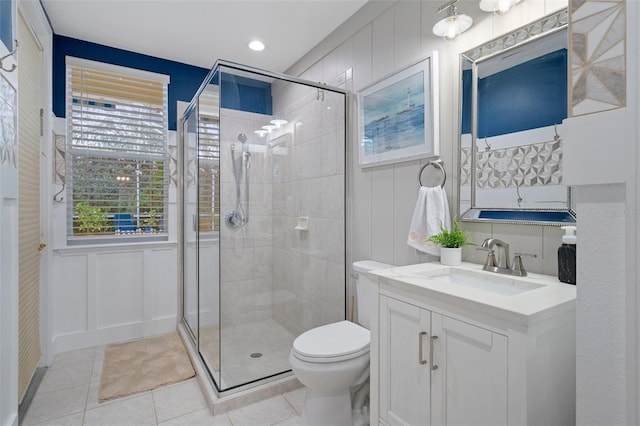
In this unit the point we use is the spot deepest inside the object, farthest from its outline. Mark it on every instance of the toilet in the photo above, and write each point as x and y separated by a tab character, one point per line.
332	361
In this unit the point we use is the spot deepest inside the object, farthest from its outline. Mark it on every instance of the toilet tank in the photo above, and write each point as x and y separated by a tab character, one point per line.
364	290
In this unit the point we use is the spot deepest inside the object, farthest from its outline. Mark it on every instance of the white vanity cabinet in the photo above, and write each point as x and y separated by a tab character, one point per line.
425	356
444	358
405	378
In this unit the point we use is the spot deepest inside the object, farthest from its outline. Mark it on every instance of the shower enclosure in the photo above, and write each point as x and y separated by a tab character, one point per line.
263	219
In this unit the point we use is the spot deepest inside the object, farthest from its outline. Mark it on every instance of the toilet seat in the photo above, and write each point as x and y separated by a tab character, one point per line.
334	342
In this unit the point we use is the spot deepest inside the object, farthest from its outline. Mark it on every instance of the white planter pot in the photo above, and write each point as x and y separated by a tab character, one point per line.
451	256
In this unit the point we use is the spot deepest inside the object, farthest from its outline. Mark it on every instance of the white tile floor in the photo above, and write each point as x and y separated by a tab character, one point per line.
68	395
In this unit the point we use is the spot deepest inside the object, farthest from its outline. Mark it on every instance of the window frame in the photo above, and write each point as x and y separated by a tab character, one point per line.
109	154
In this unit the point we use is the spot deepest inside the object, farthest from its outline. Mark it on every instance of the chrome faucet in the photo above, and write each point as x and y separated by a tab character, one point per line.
501	265
496	262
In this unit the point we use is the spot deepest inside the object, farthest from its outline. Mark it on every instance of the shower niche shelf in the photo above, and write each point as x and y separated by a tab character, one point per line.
303	224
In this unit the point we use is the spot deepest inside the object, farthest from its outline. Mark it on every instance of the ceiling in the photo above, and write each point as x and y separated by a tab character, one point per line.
198	32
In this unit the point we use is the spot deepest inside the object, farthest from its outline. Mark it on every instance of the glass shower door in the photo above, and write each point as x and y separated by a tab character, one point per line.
189	203
263	219
209	225
282	146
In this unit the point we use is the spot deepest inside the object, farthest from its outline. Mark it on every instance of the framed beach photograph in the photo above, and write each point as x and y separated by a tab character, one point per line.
398	116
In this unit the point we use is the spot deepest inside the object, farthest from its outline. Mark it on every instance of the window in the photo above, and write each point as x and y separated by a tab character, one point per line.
117	150
209	160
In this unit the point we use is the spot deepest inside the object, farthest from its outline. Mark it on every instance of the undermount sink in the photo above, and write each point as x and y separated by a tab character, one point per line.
492	283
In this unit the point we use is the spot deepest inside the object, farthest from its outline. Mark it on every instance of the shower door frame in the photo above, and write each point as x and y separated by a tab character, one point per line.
192	107
181	222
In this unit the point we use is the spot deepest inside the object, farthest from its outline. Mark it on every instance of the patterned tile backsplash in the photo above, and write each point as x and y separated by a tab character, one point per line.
536	164
8	114
598	56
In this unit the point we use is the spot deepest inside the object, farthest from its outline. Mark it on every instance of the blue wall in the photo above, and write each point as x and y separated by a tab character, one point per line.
527	96
185	79
467	92
245	94
6	23
237	92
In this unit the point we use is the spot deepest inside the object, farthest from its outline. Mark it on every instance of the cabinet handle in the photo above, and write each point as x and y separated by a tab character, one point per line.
421	361
433	364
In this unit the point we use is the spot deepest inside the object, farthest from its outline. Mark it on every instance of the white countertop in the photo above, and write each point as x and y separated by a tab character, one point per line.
531	306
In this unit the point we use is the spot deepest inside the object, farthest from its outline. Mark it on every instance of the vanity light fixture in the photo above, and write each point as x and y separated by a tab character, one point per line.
453	25
260	132
269	127
256	45
499	7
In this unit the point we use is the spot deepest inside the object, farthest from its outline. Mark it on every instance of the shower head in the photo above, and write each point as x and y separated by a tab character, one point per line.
242	137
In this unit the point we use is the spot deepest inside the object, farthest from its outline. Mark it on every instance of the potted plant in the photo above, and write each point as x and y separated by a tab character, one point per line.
151	222
451	243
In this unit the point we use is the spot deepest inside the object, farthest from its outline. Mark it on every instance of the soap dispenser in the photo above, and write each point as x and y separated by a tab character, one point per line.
567	256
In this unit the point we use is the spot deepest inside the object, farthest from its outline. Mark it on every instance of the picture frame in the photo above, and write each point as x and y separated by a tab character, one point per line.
398	116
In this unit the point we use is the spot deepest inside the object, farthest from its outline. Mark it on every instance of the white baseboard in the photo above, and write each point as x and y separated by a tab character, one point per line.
12	420
87	339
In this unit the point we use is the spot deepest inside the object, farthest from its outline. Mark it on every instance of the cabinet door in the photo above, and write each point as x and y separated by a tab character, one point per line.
404	365
469	386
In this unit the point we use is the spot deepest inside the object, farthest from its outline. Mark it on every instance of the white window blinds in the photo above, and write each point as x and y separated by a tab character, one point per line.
209	159
117	146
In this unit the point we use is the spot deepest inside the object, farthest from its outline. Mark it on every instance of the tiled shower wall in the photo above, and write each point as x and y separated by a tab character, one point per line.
246	255
270	269
308	181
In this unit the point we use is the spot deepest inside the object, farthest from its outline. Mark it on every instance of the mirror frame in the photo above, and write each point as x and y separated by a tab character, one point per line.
547	25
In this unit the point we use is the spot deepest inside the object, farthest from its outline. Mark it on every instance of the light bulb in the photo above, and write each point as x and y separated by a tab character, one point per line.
451	31
256	45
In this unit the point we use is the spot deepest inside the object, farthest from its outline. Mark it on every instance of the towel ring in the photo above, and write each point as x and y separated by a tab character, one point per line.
437	164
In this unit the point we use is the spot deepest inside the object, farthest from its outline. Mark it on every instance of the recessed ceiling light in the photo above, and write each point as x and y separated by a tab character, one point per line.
256	45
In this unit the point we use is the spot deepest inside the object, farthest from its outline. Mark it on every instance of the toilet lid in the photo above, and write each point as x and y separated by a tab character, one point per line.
336	340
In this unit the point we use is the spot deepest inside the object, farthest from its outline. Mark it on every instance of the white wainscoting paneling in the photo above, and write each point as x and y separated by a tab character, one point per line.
106	294
69	294
119	288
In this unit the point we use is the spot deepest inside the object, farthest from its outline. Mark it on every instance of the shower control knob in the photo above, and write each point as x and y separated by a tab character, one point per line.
233	220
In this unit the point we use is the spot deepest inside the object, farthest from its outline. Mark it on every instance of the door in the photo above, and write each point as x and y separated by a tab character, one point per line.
405	367
29	230
470	385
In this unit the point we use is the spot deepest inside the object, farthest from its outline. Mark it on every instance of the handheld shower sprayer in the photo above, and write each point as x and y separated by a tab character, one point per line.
240	215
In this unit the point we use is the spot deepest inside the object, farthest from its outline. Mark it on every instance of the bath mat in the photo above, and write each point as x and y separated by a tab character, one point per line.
143	365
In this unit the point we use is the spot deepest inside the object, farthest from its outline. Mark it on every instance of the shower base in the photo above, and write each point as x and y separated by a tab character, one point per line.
249	351
265	337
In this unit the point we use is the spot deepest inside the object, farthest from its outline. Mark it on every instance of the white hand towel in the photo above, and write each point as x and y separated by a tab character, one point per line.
431	211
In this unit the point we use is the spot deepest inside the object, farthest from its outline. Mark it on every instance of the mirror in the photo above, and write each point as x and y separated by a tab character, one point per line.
513	100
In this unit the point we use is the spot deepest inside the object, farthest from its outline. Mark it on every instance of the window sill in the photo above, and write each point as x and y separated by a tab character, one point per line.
115	244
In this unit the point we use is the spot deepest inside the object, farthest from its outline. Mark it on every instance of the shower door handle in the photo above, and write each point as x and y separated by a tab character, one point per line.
195	223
